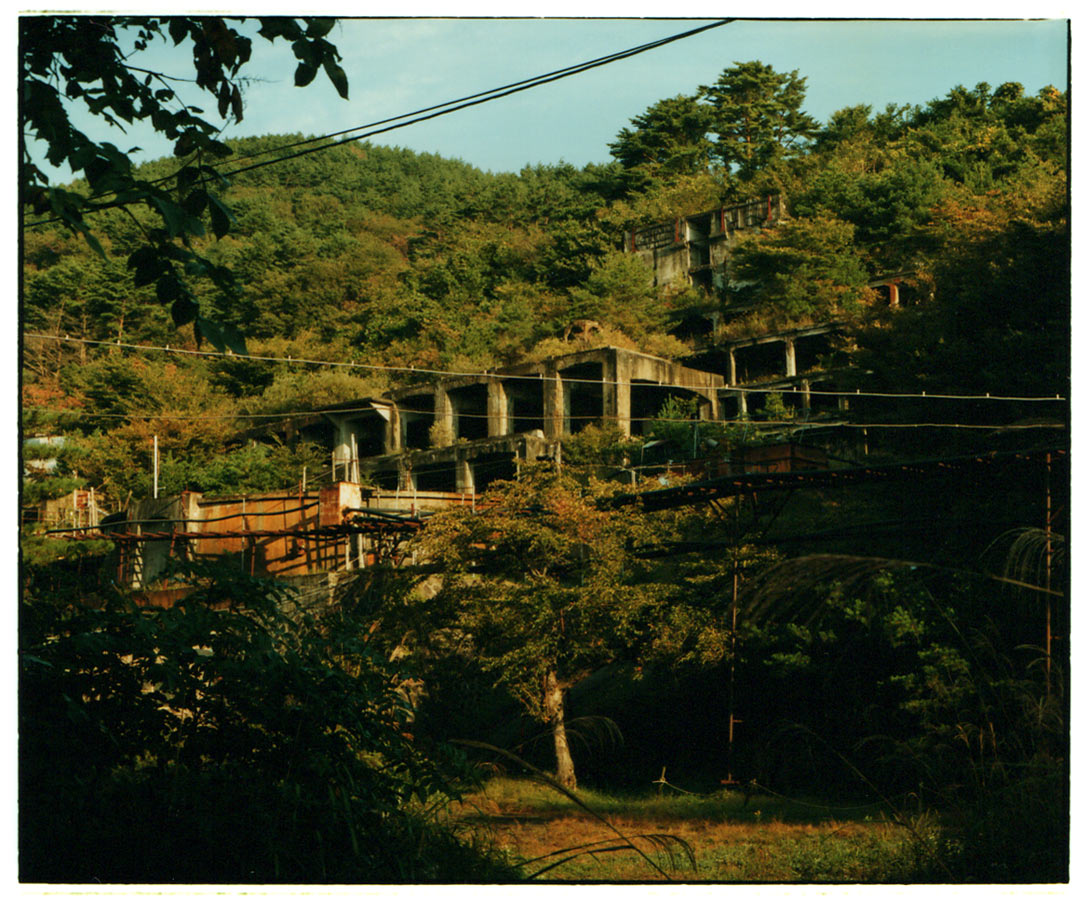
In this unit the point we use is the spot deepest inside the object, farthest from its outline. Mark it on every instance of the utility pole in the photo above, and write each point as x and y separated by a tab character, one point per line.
1048	562
733	720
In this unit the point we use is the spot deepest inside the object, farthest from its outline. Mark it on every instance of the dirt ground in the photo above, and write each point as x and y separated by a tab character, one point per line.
573	845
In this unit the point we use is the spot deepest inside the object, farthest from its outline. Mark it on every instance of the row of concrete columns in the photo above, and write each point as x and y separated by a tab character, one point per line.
555	402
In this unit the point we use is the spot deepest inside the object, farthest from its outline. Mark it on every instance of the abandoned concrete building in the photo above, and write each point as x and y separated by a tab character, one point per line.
461	433
694	250
401	456
397	458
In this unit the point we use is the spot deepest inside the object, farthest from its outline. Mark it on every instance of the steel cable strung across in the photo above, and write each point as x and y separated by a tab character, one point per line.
433	112
443	373
732	485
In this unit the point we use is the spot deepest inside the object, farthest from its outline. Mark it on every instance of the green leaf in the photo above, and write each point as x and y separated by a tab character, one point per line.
195	202
184	310
92	241
177	29
207	329
235	340
168	288
144	259
273	27
222	217
319	26
306	52
337	76
304	74
224	100
173	216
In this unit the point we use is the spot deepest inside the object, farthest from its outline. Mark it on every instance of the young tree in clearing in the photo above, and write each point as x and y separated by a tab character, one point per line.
539	585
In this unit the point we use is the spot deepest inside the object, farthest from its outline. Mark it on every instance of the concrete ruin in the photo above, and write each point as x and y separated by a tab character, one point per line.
464	432
694	250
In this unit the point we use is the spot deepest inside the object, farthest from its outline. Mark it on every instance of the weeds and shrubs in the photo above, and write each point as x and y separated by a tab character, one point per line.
223	740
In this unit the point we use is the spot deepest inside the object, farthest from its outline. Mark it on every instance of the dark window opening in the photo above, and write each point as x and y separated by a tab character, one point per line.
703	279
761	361
583	396
822	403
496	467
469	412
699	240
369	435
729	405
692	325
646	400
813	352
441	477
417	417
385	479
525	401
756	403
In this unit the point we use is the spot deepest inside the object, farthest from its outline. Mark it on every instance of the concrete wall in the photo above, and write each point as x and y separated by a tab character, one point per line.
673	250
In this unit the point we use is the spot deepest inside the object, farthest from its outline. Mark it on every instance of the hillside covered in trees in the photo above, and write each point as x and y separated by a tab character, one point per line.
385	257
872	661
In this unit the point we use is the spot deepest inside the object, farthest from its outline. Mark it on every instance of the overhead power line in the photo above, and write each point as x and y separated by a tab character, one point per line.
394	122
448	373
523	84
790	423
494	95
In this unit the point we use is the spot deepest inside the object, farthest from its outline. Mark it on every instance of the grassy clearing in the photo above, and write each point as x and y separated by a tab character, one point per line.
715	837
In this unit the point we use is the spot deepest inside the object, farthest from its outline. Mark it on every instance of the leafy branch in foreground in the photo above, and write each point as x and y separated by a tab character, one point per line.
88	61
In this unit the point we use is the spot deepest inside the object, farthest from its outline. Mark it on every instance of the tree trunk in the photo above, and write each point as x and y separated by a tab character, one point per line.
553	705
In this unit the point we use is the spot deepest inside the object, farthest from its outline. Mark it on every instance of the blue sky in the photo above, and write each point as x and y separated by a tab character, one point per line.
398	65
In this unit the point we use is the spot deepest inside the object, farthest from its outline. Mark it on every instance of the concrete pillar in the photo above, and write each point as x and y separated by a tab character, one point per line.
443	412
392	438
732	366
806	397
709	407
465	483
742	403
553	403
893	295
791	358
341	451
498	409
617	392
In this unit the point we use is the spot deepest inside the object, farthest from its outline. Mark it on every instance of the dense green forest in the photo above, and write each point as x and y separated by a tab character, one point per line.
860	671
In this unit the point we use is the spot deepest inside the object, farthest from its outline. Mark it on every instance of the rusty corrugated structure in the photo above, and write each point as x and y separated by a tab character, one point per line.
284	535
